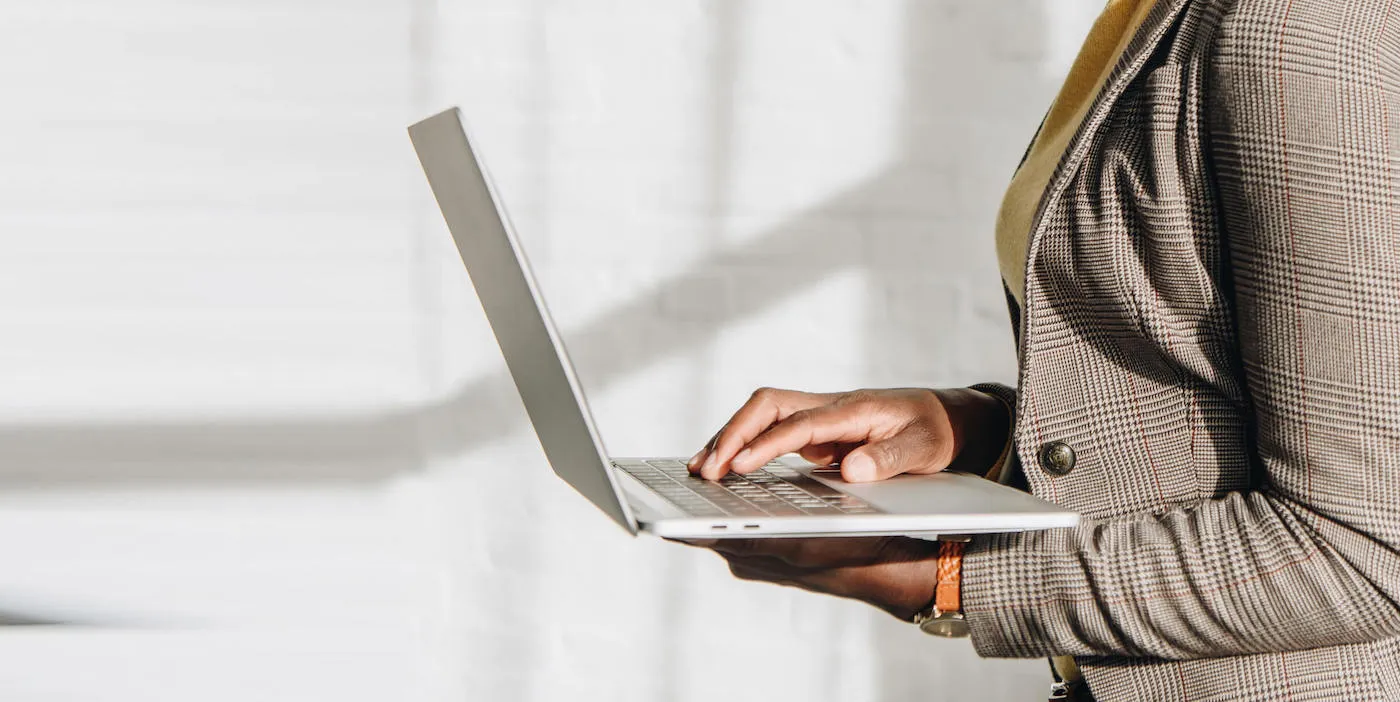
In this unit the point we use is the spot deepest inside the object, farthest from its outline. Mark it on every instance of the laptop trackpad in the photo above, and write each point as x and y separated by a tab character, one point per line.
940	493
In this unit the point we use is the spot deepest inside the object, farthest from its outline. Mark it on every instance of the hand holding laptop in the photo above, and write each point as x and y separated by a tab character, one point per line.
872	434
894	573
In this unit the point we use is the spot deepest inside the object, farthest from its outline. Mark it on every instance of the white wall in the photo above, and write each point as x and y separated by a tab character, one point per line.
256	441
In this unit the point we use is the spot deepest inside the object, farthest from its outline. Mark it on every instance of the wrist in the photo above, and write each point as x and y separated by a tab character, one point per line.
944	616
981	425
911	588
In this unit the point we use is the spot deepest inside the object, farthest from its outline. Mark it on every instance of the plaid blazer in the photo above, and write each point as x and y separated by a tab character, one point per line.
1210	368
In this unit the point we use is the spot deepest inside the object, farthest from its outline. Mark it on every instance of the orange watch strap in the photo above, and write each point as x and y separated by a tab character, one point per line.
947	596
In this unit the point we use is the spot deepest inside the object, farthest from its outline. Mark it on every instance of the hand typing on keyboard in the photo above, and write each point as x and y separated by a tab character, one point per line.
872	434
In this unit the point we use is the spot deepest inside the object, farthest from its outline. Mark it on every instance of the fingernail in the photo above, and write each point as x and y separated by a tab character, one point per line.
694	459
743	457
858	469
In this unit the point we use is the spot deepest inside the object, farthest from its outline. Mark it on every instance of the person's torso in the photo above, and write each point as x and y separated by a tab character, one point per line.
1128	348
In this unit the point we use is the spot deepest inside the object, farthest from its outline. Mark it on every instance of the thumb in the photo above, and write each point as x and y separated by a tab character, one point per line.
881	460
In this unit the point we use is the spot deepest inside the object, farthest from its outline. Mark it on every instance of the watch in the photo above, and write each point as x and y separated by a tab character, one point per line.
944	616
949	625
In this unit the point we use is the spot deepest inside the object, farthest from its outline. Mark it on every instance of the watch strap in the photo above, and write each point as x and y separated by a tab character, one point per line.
947	596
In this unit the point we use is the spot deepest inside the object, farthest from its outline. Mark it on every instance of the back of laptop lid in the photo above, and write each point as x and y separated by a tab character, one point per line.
532	348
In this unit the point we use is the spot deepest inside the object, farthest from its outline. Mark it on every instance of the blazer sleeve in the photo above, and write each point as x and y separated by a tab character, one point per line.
1305	142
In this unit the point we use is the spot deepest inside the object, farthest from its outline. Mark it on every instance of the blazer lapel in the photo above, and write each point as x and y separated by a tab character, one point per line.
1153	32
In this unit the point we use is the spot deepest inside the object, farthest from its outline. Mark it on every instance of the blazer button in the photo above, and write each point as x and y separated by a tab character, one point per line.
1057	458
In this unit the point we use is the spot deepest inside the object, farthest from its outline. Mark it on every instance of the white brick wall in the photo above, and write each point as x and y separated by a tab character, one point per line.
255	432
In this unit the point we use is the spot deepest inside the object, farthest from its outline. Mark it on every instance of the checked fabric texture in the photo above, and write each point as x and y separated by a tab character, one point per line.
1212	324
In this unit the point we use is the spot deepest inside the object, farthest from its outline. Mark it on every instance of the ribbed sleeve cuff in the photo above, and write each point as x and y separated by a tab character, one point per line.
1007	397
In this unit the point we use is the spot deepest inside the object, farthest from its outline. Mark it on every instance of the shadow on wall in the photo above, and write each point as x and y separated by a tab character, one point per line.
953	49
946	43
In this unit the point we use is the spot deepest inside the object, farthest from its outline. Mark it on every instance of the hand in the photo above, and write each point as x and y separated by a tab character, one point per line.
873	434
895	573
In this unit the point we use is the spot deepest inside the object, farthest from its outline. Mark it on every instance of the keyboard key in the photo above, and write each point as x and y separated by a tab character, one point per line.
775	489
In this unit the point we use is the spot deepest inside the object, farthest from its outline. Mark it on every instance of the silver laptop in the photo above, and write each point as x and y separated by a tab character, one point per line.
788	497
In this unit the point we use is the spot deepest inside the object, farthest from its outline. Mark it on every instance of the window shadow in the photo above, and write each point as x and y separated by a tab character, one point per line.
954	50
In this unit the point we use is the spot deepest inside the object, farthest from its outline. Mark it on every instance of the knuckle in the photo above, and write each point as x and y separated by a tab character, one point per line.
861	395
927	399
888	451
763	393
867	403
715	438
733	431
853	398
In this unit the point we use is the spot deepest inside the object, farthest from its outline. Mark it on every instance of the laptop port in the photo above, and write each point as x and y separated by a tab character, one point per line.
750	526
718	527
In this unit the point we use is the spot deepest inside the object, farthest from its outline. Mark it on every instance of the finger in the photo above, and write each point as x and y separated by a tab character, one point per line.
825	454
695	461
818	582
909	451
838	582
808	553
764	407
773	566
784	550
845	423
764	571
698	543
743	548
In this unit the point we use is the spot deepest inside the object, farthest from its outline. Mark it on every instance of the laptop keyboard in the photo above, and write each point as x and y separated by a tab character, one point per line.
775	490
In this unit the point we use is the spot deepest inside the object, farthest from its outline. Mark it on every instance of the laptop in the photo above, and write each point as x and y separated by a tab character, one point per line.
789	497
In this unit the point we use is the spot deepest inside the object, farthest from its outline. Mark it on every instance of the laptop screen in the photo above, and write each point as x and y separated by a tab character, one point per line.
532	348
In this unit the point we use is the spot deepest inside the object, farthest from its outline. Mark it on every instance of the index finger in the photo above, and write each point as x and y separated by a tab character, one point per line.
831	424
764	408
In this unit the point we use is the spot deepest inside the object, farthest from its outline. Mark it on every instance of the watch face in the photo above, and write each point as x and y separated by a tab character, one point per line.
948	627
